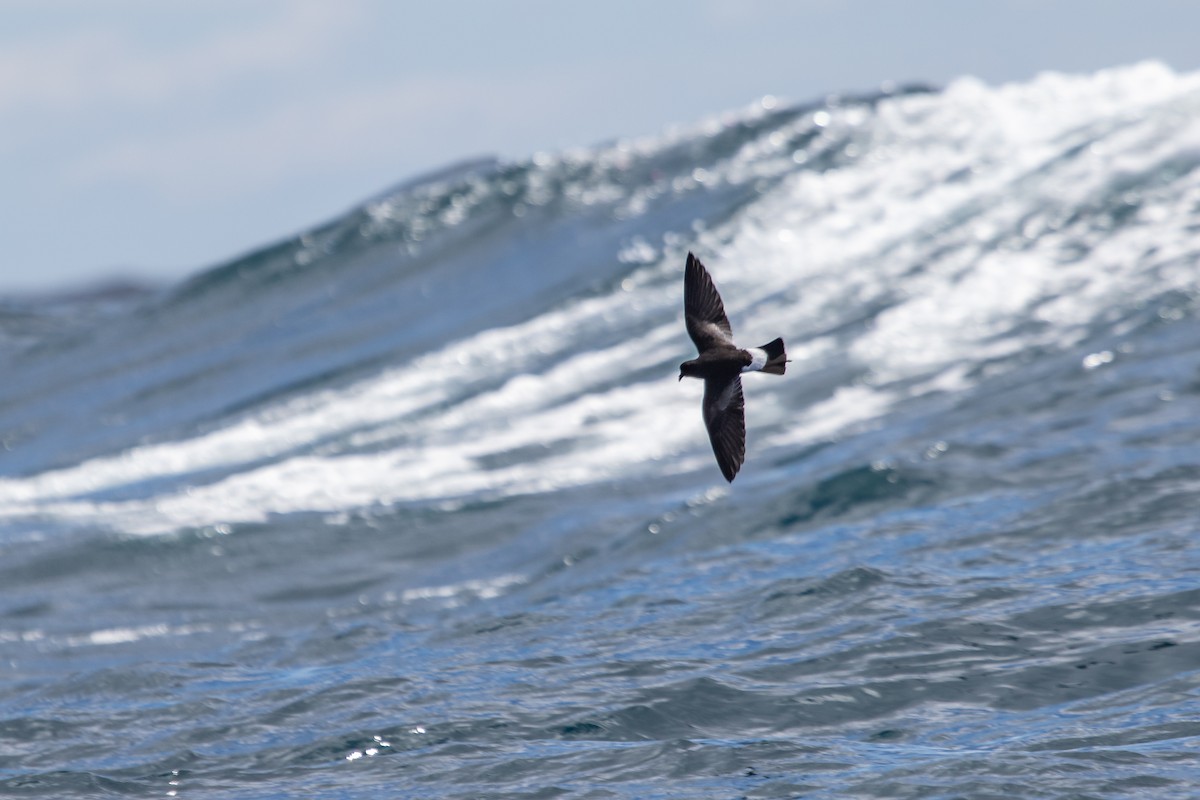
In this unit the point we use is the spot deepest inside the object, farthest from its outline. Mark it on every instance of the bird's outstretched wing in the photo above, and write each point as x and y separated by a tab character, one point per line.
725	418
703	310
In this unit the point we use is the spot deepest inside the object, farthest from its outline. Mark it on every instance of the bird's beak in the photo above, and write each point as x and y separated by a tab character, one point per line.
681	376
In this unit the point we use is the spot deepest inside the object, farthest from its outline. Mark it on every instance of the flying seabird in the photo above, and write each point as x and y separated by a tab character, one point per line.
721	364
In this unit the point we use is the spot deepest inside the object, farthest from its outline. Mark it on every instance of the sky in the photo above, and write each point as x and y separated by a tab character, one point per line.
151	140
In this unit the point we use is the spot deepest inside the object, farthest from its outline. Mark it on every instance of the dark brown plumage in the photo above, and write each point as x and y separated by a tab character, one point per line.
720	364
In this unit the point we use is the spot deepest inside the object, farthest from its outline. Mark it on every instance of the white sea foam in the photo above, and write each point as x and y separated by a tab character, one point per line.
951	229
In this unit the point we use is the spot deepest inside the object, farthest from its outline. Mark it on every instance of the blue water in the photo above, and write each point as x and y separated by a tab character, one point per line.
413	505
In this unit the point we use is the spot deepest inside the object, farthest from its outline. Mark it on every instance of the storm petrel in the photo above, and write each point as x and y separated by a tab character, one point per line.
721	364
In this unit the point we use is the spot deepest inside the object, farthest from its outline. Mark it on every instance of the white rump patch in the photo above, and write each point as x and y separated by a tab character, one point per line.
758	359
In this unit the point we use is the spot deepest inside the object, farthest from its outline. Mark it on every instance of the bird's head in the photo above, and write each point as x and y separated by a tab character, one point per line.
688	370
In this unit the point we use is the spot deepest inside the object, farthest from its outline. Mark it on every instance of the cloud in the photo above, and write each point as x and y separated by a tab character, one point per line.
407	122
108	68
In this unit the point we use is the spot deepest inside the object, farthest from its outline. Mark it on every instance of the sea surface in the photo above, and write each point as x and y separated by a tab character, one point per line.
412	505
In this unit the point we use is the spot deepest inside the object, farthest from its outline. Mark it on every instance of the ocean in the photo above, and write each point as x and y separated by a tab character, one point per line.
413	505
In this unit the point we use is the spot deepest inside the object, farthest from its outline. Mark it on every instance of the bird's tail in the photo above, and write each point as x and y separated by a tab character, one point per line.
776	357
